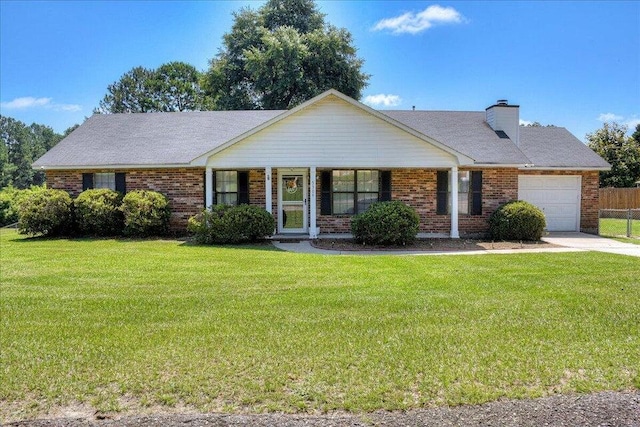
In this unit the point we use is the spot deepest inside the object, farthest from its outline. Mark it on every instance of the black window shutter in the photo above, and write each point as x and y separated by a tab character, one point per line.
442	193
325	193
121	182
385	186
476	193
204	189
243	188
87	181
214	197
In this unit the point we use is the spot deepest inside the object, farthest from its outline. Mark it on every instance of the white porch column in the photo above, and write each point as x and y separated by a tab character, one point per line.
208	199
313	232
454	203
268	203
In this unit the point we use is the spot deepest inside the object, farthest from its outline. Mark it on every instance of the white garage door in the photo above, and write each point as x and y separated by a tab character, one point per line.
557	196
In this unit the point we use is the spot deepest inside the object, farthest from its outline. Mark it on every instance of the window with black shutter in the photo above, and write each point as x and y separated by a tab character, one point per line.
469	193
231	188
476	193
112	181
352	191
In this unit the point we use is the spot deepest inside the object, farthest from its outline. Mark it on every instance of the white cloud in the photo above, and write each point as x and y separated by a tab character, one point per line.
632	123
67	107
525	122
414	23
382	100
609	117
27	102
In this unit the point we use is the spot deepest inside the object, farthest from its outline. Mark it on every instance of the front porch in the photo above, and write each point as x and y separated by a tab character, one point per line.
319	202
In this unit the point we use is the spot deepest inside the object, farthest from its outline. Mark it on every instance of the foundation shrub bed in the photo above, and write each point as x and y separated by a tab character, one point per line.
98	212
46	212
517	220
146	213
231	224
10	199
386	223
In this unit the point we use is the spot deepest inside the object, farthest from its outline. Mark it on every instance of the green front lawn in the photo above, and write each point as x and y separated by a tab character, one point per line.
128	325
614	227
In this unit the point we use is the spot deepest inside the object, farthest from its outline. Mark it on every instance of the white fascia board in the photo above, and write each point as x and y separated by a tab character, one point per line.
559	168
463	160
500	165
114	167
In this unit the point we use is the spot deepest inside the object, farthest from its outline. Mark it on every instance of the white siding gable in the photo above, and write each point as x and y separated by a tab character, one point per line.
332	133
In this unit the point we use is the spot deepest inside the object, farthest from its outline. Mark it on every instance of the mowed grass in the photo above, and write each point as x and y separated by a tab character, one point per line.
614	227
128	325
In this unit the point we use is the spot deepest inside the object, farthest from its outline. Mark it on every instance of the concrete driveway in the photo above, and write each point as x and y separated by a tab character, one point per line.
589	242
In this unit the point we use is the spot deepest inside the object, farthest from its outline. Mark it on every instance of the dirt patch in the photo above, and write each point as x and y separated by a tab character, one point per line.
435	245
597	409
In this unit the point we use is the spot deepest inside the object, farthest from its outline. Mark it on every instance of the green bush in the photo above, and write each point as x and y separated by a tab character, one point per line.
98	213
10	198
46	212
386	223
231	224
517	220
146	213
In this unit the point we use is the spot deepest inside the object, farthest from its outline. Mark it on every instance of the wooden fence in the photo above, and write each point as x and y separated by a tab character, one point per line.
619	198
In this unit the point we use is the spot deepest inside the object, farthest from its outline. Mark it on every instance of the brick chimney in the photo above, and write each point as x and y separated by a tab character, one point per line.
505	120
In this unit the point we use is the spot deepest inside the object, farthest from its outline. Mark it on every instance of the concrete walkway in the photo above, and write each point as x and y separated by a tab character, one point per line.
589	242
567	242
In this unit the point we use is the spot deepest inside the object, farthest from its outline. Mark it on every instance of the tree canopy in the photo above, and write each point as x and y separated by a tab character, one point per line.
21	146
621	151
281	55
174	86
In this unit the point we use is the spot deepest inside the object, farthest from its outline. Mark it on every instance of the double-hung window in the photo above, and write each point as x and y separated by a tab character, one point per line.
469	193
227	188
104	180
350	191
230	187
111	180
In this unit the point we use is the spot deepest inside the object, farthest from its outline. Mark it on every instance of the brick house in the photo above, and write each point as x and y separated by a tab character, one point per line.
316	165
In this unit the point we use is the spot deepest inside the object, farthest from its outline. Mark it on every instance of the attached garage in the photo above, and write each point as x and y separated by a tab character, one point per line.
557	196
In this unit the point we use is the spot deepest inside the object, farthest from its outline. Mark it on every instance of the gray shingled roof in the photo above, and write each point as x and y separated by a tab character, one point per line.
557	147
178	138
150	138
464	131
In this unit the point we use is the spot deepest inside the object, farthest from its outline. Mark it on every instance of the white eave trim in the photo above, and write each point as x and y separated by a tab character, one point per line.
499	165
114	167
463	160
560	168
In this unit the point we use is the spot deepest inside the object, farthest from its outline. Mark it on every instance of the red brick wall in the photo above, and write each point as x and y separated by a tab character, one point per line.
417	188
70	181
183	187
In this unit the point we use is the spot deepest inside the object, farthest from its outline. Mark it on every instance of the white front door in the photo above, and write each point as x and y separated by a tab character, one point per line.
292	201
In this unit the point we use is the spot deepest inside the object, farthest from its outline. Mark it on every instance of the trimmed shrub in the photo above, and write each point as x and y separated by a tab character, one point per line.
47	212
386	223
98	213
10	199
146	213
517	220
231	224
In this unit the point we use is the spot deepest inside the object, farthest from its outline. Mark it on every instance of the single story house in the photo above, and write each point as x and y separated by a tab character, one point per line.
316	165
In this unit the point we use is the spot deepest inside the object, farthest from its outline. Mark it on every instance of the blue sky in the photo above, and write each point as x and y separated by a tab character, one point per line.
571	64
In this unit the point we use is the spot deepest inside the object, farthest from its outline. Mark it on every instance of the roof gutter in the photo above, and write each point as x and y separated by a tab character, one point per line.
116	167
567	168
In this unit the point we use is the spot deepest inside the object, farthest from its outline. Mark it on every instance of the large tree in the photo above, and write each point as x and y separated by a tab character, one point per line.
621	151
281	55
21	146
174	86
